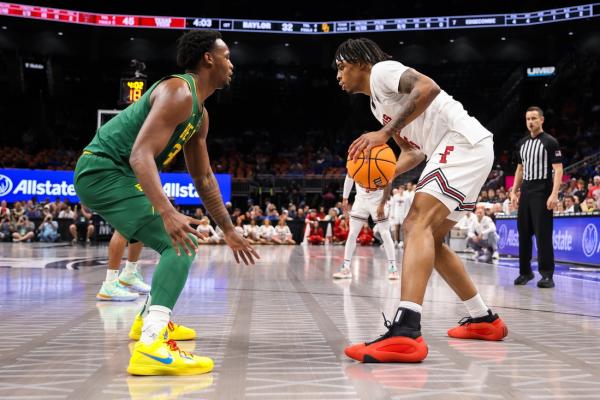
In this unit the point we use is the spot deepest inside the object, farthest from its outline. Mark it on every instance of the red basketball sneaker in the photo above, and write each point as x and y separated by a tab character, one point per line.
402	343
489	327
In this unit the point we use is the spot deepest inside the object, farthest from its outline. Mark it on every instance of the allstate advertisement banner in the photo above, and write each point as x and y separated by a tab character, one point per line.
575	239
23	184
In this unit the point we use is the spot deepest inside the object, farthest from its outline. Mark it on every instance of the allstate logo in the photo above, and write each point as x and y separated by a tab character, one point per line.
503	233
589	240
6	185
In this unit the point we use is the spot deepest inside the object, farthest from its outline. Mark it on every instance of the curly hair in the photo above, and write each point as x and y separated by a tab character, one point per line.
192	45
360	51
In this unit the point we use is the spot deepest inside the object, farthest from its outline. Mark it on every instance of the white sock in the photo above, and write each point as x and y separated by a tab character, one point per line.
112	275
476	307
411	306
130	267
347	264
158	317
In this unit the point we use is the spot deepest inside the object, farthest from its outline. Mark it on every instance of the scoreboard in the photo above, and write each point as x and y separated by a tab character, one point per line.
131	90
584	11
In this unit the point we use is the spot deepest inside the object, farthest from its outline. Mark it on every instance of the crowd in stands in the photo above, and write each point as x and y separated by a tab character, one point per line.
33	220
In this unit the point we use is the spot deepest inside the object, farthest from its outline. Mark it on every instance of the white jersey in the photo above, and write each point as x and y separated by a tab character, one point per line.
252	231
207	230
266	232
282	232
443	115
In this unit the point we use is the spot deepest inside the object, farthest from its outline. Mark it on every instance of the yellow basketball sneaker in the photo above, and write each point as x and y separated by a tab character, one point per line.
176	332
163	357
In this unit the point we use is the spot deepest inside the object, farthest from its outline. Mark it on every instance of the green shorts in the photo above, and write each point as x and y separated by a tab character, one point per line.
114	193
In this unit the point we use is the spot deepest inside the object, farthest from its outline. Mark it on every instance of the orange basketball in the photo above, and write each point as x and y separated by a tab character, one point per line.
377	171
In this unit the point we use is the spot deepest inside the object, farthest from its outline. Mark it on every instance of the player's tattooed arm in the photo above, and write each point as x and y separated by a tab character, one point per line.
421	91
208	190
198	165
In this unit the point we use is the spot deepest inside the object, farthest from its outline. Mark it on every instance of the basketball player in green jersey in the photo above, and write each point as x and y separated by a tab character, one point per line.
117	176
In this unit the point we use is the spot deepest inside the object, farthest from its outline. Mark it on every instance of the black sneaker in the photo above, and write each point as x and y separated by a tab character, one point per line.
546	283
523	279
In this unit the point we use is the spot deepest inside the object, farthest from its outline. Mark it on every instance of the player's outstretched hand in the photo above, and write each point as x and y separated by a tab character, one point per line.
241	248
178	227
366	142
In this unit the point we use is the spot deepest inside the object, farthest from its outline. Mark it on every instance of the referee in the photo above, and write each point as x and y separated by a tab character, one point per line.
538	154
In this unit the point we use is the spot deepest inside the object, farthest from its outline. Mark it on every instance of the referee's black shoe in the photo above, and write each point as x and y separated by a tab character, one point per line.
523	279
546	282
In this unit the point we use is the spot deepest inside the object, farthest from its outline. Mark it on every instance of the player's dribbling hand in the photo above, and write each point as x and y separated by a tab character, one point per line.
178	227
241	248
366	142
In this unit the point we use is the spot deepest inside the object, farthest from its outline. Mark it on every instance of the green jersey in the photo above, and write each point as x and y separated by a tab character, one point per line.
114	140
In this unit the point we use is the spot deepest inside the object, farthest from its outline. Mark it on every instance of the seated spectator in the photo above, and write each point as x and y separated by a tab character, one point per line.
366	236
492	197
4	210
332	215
315	235
48	230
559	208
283	235
482	237
252	232
198	213
299	215
594	190
340	231
82	225
220	235
32	211
321	215
55	207
589	205
24	230
570	205
205	229
272	213
6	229
266	232
17	211
239	224
581	191
66	213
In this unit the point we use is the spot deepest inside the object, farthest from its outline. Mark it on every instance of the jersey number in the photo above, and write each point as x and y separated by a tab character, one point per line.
445	154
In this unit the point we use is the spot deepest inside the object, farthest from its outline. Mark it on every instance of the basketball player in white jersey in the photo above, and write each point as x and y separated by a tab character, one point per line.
366	203
428	124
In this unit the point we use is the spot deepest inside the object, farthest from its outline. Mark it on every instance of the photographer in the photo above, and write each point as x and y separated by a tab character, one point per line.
48	230
82	224
24	230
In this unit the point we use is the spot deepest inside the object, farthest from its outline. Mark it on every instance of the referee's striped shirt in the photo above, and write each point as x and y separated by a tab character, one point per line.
537	156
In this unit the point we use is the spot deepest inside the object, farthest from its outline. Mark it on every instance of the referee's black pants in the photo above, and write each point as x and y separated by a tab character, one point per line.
534	218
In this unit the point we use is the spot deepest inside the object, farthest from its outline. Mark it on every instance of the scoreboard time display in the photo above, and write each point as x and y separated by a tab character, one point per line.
131	90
